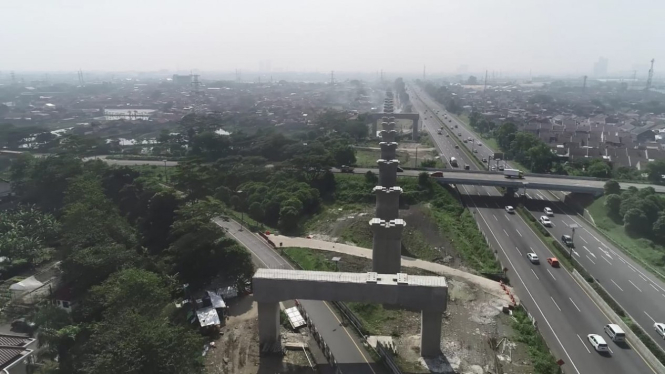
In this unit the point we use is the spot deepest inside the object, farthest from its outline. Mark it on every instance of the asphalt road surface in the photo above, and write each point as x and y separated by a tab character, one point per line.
564	313
640	293
347	348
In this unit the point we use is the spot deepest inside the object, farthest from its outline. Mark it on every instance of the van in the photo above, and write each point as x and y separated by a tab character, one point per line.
615	332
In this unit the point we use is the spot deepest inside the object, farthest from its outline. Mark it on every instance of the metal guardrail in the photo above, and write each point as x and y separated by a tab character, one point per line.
319	339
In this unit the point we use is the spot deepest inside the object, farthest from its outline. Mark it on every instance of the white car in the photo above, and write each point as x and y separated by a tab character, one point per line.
533	258
510	209
549	212
545	220
598	343
660	328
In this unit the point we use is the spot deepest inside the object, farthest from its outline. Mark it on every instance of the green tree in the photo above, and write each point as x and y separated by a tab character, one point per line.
612	187
371	178
424	179
613	204
256	211
659	227
134	343
635	221
655	171
599	170
345	155
505	134
429	163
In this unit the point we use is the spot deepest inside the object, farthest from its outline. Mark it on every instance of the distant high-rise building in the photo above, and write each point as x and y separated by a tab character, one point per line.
600	67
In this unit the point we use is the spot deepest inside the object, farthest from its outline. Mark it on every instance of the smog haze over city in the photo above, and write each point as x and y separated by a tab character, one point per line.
516	37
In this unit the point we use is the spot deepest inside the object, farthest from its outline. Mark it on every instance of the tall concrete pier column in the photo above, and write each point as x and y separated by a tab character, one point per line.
268	323
388	150
388	172
387	202
430	333
386	245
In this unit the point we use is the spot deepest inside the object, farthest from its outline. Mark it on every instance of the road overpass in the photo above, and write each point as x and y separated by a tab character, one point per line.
530	181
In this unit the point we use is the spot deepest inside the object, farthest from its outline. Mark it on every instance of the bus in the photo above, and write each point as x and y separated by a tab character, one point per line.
453	162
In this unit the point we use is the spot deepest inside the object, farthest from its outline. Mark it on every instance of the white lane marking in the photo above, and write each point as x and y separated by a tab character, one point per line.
643	277
508	218
621	259
615	283
548	270
557	305
564	222
583	239
575	253
504	230
530	294
534	274
651	318
582	341
576	307
518	250
495	217
590	259
611	351
529	196
497	204
605	253
606	260
518	232
540	196
654	287
632	268
631	282
488	193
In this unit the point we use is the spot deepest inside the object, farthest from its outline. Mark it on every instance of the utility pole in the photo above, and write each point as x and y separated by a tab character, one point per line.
424	72
584	85
485	86
650	78
332	78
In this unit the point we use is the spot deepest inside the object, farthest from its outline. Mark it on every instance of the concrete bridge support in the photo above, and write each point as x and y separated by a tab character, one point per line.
430	332
268	323
387	202
388	172
387	245
388	150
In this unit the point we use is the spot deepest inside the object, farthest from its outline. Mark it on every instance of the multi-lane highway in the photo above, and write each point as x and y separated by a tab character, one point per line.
348	350
565	314
640	293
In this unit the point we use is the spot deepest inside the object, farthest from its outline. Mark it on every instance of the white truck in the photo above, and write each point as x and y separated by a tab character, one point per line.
453	162
513	173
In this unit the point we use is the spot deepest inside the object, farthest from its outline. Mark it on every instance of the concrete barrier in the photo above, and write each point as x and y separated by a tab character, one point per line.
634	341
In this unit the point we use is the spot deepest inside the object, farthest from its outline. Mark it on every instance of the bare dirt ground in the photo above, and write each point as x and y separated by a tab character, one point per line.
472	325
237	348
421	238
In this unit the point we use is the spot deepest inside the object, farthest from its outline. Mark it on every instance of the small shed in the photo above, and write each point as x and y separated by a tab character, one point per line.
21	288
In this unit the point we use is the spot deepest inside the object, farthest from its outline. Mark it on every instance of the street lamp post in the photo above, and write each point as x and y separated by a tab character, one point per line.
572	238
489	162
242	212
166	176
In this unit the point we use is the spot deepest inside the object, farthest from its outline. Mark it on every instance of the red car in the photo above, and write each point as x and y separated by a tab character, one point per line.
436	174
553	261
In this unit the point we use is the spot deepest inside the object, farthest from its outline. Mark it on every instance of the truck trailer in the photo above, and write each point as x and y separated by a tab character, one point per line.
513	173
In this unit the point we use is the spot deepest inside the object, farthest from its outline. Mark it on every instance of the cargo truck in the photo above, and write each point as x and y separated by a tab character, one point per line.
513	173
453	162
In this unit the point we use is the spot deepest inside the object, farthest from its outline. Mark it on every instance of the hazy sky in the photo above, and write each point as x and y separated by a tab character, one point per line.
544	36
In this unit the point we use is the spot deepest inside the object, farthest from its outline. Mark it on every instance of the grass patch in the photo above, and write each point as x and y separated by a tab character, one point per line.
541	357
308	260
643	250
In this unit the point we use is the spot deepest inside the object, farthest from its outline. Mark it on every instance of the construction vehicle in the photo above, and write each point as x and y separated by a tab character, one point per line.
513	173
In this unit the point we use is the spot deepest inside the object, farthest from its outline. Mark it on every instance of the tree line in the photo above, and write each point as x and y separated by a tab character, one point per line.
128	243
642	211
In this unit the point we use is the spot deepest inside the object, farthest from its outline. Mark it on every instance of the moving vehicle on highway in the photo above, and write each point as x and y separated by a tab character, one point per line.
510	209
615	332
466	167
553	261
459	134
549	212
436	174
440	132
660	328
456	146
568	241
545	220
453	162
513	173
346	169
533	258
598	343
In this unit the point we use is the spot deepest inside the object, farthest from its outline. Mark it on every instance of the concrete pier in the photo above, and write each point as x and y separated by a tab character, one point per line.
387	245
268	322
387	202
388	172
388	150
430	332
